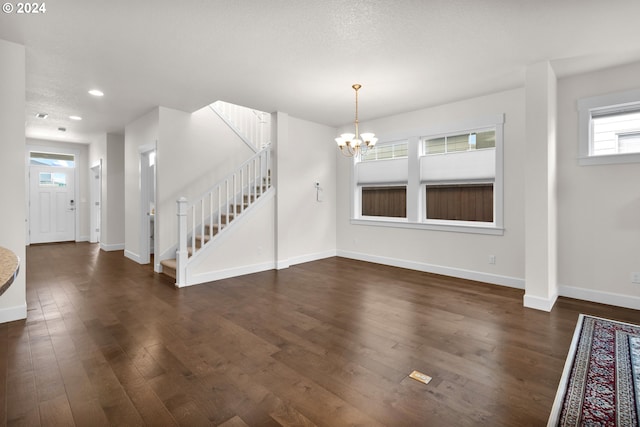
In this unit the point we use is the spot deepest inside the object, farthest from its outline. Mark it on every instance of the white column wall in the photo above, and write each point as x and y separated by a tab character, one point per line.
13	304
113	194
305	157
540	188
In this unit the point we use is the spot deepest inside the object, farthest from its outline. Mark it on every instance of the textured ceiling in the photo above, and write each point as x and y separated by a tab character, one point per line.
299	56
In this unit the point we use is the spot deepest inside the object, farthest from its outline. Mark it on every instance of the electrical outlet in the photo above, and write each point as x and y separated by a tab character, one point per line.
635	277
492	259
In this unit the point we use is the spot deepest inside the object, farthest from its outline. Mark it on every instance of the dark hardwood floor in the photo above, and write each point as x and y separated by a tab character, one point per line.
327	343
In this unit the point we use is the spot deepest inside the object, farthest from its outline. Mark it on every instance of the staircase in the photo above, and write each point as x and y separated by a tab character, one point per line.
252	126
203	221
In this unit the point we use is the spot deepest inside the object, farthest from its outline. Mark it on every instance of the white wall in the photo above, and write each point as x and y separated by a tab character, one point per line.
114	237
453	253
142	131
82	178
598	206
305	157
13	304
247	247
109	148
307	224
195	151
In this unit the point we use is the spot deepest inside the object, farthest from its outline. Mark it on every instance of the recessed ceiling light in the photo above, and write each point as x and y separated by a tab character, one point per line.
42	115
62	129
96	92
75	117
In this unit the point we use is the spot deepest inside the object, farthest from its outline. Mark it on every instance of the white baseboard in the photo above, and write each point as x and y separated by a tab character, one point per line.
197	279
111	247
132	256
496	279
543	304
311	257
82	239
282	264
11	314
619	300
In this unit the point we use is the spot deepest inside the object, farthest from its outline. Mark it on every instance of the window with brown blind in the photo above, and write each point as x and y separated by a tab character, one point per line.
384	201
460	202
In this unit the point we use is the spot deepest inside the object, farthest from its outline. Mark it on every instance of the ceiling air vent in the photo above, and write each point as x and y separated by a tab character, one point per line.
62	129
42	115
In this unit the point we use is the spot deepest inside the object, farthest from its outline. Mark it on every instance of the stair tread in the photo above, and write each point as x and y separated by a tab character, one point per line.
171	263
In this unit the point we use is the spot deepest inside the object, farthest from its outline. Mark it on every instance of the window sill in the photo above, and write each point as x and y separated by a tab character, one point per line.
450	227
610	159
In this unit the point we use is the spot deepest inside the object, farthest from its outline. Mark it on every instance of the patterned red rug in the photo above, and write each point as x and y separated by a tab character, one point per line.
600	385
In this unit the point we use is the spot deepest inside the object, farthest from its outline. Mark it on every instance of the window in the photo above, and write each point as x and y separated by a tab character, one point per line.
461	142
384	201
391	150
609	128
462	202
48	179
615	133
51	159
458	171
450	179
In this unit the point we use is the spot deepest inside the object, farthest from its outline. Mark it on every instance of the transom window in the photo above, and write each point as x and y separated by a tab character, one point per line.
475	140
51	159
390	150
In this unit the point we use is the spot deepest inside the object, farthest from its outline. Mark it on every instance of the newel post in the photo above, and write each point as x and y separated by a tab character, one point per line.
182	255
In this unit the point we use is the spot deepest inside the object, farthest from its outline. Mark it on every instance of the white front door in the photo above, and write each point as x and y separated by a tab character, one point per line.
52	204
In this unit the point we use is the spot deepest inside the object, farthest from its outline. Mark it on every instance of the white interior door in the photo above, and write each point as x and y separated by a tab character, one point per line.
52	204
148	218
96	203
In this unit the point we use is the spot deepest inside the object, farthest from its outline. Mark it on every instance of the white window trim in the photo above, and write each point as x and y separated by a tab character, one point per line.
416	217
585	108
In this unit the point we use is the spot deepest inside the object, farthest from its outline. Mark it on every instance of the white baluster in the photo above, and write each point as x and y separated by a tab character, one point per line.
182	255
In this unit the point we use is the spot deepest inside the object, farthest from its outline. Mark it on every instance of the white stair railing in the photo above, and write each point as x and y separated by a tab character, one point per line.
252	126
208	215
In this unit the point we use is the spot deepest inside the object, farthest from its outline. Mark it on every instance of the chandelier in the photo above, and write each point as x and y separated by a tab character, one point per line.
350	144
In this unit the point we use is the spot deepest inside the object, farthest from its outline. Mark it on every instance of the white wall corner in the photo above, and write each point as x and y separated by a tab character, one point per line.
11	314
132	256
310	257
538	303
112	247
282	264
